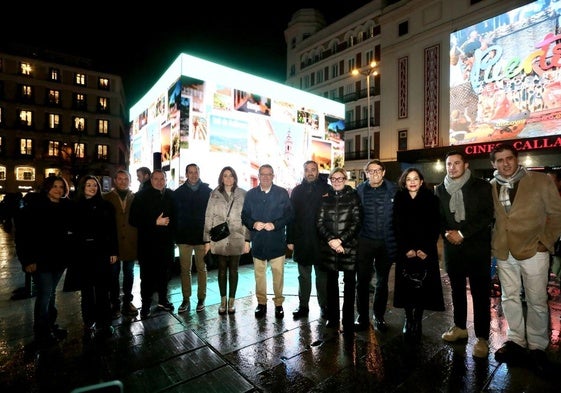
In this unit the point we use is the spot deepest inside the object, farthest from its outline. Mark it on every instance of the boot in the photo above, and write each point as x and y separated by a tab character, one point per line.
231	306
408	324
222	308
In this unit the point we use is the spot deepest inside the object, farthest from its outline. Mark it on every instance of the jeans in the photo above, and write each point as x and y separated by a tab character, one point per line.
128	279
45	312
532	331
372	256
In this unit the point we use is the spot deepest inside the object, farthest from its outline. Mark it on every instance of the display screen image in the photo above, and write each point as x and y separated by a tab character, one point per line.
217	116
505	76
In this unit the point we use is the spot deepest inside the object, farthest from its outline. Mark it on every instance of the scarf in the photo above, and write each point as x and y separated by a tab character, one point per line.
454	188
507	185
194	187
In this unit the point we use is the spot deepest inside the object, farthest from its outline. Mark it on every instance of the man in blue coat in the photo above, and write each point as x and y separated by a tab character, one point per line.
266	213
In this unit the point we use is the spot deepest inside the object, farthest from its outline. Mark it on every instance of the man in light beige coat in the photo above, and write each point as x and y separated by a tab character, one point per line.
527	223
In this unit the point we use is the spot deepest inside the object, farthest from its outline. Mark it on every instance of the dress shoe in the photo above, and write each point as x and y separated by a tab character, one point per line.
261	310
279	312
300	312
332	324
511	354
541	364
59	333
380	325
360	326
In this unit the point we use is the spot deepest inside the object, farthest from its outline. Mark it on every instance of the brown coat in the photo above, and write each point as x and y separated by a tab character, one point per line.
535	216
127	234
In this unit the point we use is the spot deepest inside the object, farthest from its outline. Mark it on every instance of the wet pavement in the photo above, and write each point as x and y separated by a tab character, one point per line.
207	352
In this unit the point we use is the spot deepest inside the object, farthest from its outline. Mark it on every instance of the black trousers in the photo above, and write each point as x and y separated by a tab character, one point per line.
479	284
372	258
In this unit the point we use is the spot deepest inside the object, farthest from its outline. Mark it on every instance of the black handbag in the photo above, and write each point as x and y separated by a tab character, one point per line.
221	231
414	275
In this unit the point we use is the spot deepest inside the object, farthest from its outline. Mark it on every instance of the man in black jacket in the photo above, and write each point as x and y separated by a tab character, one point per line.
153	214
303	241
466	214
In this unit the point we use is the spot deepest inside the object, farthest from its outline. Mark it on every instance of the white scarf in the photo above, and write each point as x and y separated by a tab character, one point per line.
507	185
454	188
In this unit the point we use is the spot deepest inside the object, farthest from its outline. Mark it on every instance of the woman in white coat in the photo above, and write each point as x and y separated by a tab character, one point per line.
225	204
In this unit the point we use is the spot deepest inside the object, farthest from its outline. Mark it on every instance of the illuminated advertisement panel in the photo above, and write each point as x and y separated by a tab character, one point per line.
505	80
214	116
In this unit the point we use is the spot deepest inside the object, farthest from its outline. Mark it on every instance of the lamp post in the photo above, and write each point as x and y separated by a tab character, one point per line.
372	69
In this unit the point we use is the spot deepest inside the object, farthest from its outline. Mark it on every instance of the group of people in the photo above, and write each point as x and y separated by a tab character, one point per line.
328	227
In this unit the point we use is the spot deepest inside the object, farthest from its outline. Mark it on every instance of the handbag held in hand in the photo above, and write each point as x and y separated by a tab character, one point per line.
221	231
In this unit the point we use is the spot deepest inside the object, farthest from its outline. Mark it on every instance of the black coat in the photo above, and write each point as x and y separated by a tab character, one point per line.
302	231
474	254
417	227
95	241
44	232
339	218
155	242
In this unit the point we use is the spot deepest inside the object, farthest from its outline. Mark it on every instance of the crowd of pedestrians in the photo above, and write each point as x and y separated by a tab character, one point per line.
329	227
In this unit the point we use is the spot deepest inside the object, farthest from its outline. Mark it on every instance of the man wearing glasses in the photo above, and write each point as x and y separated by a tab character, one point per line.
266	212
376	244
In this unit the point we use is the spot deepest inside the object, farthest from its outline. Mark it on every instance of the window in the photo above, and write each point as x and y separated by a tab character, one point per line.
54	74
103	104
1	146
335	70
102	152
351	64
80	79
79	150
25	118
53	149
26	92
2	172
103	127
78	124
369	56
103	84
80	101
53	121
54	97
403	28
25	147
319	76
1	116
25	68
25	173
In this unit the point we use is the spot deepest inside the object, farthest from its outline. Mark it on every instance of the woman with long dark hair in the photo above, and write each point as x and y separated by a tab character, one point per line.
417	275
225	205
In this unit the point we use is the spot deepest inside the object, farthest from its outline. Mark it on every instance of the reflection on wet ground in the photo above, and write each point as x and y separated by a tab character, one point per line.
207	352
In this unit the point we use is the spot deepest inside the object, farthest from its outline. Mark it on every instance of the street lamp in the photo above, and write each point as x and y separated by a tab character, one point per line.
372	69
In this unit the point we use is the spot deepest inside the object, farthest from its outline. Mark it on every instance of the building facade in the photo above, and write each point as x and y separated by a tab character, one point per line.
58	115
411	122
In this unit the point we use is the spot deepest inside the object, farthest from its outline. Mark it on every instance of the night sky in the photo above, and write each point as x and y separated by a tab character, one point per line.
141	45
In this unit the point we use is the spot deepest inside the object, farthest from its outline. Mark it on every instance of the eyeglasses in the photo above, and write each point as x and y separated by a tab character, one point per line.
374	171
337	179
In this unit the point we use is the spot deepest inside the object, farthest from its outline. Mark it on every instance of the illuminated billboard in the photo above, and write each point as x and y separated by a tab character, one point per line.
505	76
204	113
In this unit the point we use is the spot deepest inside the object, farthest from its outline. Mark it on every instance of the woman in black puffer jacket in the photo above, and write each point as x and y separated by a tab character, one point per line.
338	225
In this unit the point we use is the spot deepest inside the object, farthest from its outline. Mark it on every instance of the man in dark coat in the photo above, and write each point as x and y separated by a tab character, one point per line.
153	214
303	240
466	215
191	200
